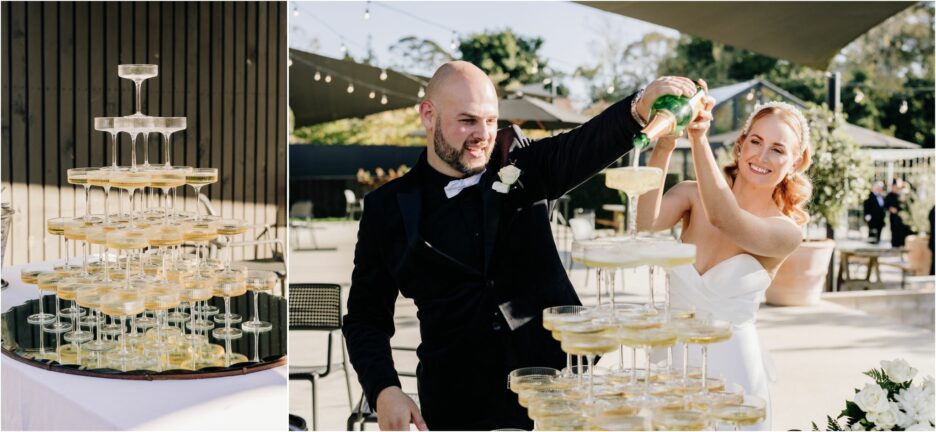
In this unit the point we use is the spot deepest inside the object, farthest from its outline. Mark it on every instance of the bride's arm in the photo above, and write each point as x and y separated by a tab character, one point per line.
658	211
775	237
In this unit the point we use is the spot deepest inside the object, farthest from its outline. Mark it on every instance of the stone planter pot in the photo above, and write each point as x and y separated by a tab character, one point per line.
918	254
802	277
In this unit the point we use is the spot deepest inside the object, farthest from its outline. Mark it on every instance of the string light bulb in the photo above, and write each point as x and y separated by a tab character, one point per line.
372	94
750	95
344	48
383	74
367	11
453	45
904	107
317	76
383	99
295	11
289	63
350	87
422	93
611	89
327	78
859	96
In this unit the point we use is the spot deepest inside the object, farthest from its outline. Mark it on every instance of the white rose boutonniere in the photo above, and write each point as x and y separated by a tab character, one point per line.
508	175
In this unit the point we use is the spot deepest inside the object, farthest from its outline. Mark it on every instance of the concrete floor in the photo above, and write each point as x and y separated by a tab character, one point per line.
819	352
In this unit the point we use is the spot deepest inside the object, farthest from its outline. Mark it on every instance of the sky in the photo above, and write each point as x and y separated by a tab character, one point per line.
569	30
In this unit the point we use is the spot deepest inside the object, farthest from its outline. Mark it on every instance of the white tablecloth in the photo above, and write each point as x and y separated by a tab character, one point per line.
36	399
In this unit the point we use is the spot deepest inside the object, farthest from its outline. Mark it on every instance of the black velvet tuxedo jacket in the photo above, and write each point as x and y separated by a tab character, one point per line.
468	344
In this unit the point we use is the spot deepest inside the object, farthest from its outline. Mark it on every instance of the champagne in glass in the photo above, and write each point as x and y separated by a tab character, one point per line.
751	411
121	304
130	181
633	181
563	313
588	338
198	178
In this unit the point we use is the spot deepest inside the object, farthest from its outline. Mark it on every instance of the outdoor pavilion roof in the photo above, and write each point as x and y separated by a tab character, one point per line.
532	113
804	32
315	102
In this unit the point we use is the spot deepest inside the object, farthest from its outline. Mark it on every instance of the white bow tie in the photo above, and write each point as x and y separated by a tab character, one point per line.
454	187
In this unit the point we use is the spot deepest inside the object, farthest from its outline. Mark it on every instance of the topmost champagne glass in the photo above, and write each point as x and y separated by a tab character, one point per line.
138	73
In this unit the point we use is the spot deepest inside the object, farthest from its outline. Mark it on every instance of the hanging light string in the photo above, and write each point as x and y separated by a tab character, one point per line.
355	83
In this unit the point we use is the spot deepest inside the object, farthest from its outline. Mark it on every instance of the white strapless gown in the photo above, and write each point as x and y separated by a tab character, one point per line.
732	290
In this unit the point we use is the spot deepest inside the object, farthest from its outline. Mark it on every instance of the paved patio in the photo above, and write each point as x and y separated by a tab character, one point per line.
818	352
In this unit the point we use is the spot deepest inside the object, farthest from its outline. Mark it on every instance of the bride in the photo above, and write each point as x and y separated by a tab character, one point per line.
744	220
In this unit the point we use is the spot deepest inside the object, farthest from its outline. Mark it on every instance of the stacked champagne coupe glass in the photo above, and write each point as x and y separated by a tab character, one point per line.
633	398
137	300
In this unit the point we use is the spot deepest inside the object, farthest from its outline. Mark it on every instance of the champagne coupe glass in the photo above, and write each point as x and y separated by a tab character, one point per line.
128	239
556	414
633	181
80	176
608	257
588	338
106	124
131	181
702	331
617	414
626	323
200	233
229	228
77	336
564	314
171	125
121	304
177	271
518	377
159	299
101	178
198	178
196	288
228	288
138	73
167	179
51	283
56	227
259	281
32	277
89	296
751	411
135	126
76	230
234	274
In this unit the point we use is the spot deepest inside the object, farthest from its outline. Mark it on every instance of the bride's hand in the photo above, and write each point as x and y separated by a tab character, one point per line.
699	126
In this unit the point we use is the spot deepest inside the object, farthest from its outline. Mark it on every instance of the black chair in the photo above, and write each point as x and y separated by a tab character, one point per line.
317	307
363	413
297	423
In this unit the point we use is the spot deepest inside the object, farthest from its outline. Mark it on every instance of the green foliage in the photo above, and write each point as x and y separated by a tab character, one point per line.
398	127
839	171
920	200
416	54
880	377
510	60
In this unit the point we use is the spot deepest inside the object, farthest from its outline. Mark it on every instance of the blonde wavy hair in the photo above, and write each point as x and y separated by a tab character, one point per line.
794	191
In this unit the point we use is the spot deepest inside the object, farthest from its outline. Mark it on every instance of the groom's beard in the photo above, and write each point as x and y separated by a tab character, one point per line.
452	155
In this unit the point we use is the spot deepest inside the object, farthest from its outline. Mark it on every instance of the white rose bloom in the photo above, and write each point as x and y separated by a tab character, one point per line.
898	370
500	187
509	174
920	427
883	420
857	426
872	398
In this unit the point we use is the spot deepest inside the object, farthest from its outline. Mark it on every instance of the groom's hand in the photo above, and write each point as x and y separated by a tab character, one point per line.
395	411
679	86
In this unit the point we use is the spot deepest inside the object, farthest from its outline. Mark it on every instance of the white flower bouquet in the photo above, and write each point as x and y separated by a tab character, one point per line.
891	403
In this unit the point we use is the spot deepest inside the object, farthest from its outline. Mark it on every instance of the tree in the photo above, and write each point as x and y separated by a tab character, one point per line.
418	55
510	60
623	68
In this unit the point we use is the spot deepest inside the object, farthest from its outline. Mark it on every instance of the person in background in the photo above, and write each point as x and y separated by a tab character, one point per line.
894	203
874	212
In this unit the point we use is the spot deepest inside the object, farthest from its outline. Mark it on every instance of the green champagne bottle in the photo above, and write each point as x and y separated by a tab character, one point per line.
669	115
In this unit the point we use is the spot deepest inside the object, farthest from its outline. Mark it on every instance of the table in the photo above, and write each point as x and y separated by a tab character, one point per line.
36	399
859	249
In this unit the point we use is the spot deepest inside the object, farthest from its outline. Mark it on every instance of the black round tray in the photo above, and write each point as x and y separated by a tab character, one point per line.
20	339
